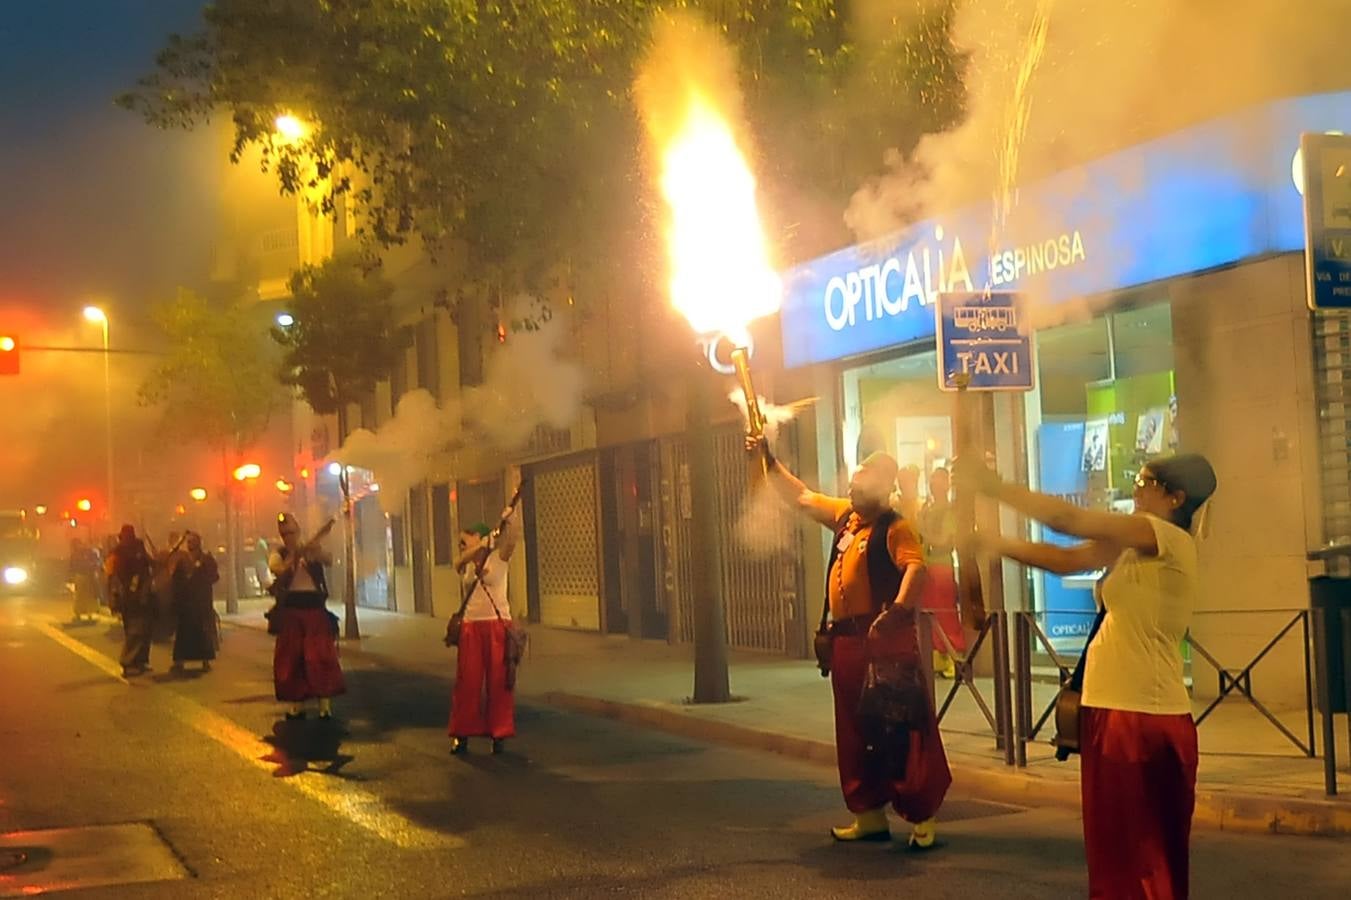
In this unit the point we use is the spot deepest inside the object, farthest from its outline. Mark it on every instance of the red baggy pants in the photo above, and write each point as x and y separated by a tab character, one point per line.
481	704
305	659
863	772
1138	779
938	596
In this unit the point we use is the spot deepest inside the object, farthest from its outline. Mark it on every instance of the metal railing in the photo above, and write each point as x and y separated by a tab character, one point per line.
1029	636
1240	680
996	714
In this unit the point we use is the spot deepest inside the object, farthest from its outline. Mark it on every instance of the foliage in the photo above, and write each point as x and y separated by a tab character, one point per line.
344	337
507	125
218	383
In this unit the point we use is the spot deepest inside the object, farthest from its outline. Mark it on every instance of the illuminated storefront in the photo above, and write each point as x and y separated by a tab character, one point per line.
1165	283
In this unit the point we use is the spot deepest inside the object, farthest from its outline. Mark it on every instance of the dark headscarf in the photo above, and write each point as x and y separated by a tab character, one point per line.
1189	474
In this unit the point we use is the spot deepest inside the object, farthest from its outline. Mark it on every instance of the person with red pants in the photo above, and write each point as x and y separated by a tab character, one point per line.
938	531
873	592
483	703
305	659
1136	734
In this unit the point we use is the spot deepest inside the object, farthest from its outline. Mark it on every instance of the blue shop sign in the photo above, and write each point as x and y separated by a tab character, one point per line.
1195	200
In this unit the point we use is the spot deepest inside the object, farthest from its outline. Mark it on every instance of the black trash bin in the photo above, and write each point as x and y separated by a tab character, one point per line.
1332	638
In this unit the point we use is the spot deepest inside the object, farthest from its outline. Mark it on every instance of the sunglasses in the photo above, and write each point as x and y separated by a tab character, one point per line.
1143	481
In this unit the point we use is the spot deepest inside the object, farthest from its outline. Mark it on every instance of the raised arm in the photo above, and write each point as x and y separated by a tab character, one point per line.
510	536
821	508
1120	530
1085	557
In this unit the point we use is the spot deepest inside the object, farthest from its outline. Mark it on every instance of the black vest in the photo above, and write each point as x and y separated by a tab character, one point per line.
281	588
884	576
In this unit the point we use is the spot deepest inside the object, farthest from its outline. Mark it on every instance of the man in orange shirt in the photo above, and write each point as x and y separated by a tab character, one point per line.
873	594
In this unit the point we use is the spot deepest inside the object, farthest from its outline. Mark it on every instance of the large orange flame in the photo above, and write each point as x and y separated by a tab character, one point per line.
721	275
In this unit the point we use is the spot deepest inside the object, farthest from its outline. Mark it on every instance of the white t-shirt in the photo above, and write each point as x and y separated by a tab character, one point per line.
494	582
1135	661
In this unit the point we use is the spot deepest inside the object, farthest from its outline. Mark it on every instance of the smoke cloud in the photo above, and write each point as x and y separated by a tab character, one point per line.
528	382
1055	83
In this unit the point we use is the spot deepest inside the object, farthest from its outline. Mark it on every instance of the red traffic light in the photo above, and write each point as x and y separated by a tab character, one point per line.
9	354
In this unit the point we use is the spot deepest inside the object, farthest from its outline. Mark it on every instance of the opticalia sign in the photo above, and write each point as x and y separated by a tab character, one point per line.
1202	198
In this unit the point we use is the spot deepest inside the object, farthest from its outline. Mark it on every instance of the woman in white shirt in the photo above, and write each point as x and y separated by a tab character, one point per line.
483	704
1137	737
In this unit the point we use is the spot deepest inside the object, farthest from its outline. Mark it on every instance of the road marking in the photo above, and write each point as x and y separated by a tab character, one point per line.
359	807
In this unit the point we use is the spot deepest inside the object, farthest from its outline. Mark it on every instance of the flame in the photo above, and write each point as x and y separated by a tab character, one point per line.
721	274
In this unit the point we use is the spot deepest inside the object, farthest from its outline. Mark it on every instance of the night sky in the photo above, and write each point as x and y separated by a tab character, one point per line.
98	207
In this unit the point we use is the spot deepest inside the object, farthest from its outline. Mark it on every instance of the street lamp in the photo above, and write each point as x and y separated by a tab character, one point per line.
84	504
198	494
98	316
285	319
40	509
290	127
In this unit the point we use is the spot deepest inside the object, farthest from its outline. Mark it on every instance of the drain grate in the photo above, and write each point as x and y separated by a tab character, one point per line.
64	859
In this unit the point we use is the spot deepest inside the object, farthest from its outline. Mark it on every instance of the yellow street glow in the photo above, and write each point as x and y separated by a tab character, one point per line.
198	494
94	314
290	127
84	505
248	470
721	275
6	343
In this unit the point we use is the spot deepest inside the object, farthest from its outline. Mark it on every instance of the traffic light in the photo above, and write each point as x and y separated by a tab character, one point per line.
9	354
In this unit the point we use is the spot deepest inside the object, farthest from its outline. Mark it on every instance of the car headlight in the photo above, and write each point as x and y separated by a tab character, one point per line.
15	575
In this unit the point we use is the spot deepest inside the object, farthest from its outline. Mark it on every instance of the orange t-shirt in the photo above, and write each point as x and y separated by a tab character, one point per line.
850	594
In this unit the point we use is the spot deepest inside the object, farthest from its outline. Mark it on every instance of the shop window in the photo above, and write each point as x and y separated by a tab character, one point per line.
442	539
895	407
1105	404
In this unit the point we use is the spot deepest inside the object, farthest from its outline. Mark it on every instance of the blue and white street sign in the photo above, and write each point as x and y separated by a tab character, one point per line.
1327	218
979	336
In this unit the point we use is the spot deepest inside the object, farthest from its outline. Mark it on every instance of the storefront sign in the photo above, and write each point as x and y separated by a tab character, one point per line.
1206	197
979	336
1327	218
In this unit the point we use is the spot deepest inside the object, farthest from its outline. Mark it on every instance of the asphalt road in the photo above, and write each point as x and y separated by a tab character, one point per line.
238	804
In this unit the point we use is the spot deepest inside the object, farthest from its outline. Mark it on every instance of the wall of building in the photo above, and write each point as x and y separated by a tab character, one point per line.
1246	400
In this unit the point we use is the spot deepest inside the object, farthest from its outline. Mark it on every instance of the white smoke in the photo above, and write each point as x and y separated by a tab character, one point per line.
774	414
527	383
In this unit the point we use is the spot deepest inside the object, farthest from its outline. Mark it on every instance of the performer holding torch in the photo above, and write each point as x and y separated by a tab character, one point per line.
305	661
888	752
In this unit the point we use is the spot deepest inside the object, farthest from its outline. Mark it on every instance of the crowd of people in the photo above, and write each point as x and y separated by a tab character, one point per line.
892	559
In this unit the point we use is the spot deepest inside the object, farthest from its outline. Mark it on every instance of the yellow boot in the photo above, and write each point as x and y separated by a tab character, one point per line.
923	835
867	826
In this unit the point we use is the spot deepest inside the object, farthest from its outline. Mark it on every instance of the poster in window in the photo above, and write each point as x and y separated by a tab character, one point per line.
1095	446
1149	431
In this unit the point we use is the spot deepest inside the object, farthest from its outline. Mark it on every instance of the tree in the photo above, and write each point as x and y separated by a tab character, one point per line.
218	385
507	125
343	341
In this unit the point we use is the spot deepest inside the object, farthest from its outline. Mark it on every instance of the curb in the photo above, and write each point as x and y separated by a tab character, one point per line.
1221	810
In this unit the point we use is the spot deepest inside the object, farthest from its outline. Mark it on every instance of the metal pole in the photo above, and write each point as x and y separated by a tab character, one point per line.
1022	686
1002	705
108	422
1320	625
351	631
710	636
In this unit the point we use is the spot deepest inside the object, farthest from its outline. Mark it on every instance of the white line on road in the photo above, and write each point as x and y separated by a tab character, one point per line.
352	803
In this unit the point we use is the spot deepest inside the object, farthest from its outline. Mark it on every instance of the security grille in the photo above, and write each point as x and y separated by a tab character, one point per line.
1332	372
566	541
762	578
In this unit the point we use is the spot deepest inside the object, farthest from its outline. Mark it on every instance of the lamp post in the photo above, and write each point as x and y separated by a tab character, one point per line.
98	316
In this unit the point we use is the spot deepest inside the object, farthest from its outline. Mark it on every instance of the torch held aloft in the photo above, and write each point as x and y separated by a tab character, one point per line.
755	419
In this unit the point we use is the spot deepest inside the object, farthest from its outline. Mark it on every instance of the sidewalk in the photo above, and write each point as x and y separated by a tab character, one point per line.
1251	778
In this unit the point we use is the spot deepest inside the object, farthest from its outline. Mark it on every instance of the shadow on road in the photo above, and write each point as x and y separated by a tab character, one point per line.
298	745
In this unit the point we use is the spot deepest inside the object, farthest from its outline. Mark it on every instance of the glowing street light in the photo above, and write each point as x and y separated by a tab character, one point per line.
248	472
290	127
335	468
285	319
84	504
95	314
198	494
40	509
284	486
